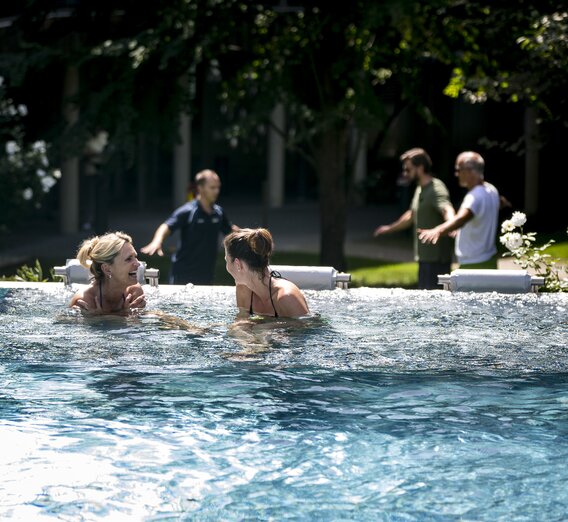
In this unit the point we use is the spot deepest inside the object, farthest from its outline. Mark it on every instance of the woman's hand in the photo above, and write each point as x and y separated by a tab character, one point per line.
84	306
134	298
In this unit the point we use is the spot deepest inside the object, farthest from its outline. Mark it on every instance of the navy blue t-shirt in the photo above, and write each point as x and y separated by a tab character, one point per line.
194	260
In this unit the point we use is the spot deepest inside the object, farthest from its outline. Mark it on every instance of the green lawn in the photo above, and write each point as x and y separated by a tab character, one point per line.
364	272
559	250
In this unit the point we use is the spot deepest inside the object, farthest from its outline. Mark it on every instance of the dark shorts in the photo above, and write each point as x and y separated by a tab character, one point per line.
490	263
183	277
428	274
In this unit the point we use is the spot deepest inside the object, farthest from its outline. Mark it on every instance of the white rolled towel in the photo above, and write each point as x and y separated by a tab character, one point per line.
490	280
313	277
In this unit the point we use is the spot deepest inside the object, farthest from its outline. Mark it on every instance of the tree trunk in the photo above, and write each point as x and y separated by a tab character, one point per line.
330	159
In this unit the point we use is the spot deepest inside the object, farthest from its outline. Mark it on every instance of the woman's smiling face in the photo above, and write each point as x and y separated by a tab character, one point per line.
125	264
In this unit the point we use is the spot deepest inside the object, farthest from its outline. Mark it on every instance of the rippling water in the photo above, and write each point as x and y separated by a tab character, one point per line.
386	405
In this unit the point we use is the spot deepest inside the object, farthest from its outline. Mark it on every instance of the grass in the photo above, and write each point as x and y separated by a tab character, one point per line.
559	250
391	275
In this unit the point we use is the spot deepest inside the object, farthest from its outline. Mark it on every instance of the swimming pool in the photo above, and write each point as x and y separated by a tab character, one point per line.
391	405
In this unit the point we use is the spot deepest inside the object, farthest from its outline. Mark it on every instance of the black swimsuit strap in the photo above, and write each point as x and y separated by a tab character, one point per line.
101	295
276	275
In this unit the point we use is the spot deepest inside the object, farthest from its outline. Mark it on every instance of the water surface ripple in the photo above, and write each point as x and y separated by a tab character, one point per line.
386	405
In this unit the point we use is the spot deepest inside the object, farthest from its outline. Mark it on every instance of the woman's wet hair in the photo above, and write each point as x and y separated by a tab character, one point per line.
97	250
253	246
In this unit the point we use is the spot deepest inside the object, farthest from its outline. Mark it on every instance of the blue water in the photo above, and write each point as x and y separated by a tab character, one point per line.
389	405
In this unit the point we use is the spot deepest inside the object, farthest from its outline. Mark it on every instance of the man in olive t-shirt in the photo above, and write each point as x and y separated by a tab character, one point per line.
430	206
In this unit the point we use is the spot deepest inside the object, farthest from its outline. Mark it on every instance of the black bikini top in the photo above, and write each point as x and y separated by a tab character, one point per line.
276	275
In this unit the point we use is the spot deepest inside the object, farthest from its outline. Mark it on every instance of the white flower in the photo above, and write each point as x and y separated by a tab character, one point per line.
518	219
47	182
97	144
507	226
39	146
23	110
12	148
512	240
56	174
515	241
40	173
28	194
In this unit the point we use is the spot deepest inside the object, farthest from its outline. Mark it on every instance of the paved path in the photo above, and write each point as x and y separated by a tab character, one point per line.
295	228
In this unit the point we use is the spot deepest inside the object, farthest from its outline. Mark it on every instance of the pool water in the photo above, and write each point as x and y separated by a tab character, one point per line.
387	405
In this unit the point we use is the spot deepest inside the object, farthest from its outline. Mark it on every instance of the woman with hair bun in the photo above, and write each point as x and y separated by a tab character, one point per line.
113	262
260	291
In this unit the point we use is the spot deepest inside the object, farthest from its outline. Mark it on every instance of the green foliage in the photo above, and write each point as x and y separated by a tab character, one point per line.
31	274
503	51
328	65
333	66
25	174
522	246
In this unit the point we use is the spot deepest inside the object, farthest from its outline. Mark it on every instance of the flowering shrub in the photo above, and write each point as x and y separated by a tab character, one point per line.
25	173
521	246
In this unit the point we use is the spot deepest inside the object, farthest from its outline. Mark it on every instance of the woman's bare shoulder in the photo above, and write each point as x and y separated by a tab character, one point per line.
85	294
243	293
291	300
286	287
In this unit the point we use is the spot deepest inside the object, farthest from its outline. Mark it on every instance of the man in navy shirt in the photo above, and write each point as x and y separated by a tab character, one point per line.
199	222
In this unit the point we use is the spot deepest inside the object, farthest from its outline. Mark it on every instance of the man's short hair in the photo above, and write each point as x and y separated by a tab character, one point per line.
417	157
204	175
472	160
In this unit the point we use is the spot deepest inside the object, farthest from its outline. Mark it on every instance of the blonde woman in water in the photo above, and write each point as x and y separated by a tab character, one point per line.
113	262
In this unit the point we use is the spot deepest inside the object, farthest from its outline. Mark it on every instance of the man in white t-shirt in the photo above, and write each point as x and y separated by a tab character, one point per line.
476	220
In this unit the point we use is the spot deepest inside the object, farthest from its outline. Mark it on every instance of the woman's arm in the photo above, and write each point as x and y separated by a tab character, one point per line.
134	297
86	300
244	295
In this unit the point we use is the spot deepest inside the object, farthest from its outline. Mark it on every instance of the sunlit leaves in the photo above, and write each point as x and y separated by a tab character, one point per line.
456	84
